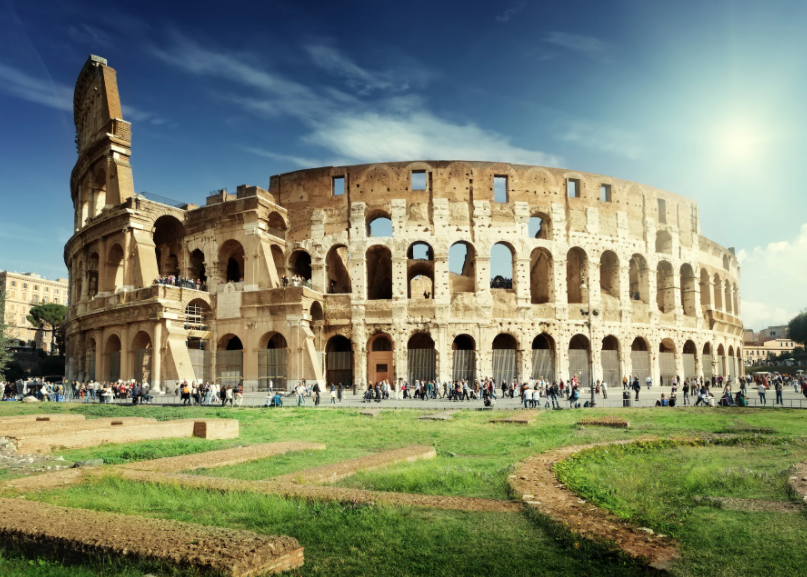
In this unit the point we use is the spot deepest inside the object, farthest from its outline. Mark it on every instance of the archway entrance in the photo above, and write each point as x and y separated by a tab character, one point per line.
689	360
230	361
505	358
142	357
640	359
379	359
272	362
609	357
464	363
543	358
580	360
421	358
112	353
666	362
706	362
339	361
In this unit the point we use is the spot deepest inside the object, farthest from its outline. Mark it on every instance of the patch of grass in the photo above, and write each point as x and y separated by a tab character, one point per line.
281	464
147	450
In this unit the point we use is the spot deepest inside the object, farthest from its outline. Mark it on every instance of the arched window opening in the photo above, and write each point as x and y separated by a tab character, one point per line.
665	287
339	361
379	273
464	363
273	361
580	360
543	358
542	283
422	358
706	362
379	226
706	289
502	264
726	262
300	264
640	359
689	360
505	358
718	291
462	268
233	343
167	235
576	281
729	298
90	360
337	269
663	242
639	279
688	296
197	262
231	257
142	350
380	360
114	269
421	286
420	251
112	352
666	361
316	312
721	361
277	225
540	226
92	275
197	315
609	357
609	274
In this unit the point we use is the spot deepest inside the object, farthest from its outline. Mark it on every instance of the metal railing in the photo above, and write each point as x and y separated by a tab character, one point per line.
216	192
162	199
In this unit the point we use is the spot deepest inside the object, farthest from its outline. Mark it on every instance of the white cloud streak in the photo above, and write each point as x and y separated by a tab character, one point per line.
86	34
355	129
588	45
512	11
39	90
605	138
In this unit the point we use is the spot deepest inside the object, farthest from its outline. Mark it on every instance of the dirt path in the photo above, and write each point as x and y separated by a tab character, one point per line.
223	457
535	481
65	532
343	469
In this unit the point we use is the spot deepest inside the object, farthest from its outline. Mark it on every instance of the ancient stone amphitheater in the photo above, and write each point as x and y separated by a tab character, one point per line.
591	274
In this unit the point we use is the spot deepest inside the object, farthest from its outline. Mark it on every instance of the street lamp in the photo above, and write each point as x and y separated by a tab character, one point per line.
586	313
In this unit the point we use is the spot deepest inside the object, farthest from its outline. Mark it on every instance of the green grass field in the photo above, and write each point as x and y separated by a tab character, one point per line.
654	487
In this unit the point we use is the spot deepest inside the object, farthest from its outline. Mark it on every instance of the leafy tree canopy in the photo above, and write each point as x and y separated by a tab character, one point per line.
5	338
48	316
798	327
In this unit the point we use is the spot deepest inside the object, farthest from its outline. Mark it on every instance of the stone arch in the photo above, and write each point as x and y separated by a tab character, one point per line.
503	252
542	284
580	359
230	342
462	267
421	357
141	355
576	272
380	358
729	298
539	225
112	357
420	250
197	315
316	312
667	353
665	287
718	283
379	273
721	360
378	223
197	266
339	361
688	299
463	349
114	268
726	262
300	263
337	269
664	242
639	279
420	280
273	359
277	224
706	289
168	233
543	357
505	355
689	353
609	274
610	360
640	359
231	261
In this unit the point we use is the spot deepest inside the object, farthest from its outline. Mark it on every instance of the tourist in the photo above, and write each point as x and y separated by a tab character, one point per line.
761	389
637	387
685	389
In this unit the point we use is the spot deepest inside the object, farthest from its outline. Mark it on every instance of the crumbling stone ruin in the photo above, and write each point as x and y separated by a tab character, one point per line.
609	277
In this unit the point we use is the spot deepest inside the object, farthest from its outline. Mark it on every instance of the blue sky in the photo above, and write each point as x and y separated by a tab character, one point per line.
703	99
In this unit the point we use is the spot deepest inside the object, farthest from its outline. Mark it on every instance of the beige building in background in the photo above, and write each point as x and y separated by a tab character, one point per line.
761	351
609	277
24	291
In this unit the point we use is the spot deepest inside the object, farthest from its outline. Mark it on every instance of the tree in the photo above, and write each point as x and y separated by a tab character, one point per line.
5	353
48	315
798	327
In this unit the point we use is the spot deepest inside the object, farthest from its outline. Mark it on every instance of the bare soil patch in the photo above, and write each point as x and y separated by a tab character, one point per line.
41	418
64	532
27	429
447	416
222	458
752	505
518	418
615	422
798	481
319	493
535	481
337	471
371	412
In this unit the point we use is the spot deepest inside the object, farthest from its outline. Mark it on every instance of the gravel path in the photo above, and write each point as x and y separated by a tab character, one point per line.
65	532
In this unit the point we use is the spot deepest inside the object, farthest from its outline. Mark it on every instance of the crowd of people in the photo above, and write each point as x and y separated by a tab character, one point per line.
180	282
295	280
208	394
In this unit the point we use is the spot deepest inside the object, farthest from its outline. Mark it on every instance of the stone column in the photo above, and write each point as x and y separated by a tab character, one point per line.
127	258
126	354
213	345
444	357
441	278
521	276
156	358
318	280
400	285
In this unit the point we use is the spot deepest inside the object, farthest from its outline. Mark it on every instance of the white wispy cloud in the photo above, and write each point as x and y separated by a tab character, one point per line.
588	45
296	160
87	34
773	280
33	89
601	137
512	11
352	128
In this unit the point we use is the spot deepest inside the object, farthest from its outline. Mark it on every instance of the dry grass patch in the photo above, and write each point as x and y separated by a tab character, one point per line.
614	422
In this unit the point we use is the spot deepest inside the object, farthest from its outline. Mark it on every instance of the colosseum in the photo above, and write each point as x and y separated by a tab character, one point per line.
356	274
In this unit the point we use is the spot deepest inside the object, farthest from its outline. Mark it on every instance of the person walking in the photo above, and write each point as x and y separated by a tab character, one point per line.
637	387
778	387
761	390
